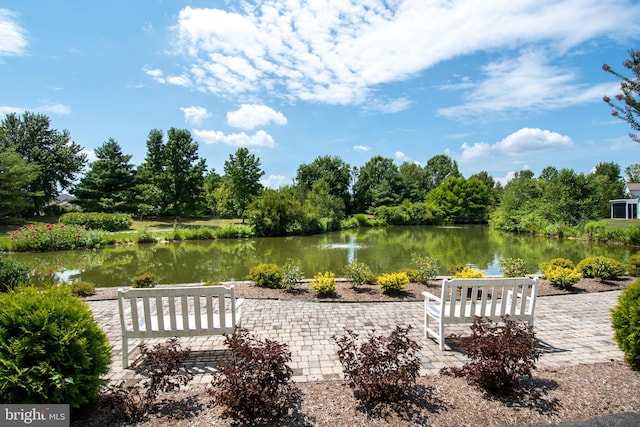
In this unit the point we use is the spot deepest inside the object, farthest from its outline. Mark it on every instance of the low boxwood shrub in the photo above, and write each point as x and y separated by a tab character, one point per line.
601	268
266	275
97	220
382	368
254	380
324	284
625	317
561	272
468	272
500	354
513	267
358	273
12	273
83	289
393	282
633	265
144	280
51	348
427	267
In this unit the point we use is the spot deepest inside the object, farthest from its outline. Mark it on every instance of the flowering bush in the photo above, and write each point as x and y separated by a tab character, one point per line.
393	282
324	284
53	237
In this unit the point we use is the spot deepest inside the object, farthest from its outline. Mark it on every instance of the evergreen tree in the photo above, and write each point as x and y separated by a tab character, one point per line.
242	174
15	175
108	185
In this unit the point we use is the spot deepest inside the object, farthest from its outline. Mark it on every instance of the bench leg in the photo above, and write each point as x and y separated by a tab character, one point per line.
125	353
441	333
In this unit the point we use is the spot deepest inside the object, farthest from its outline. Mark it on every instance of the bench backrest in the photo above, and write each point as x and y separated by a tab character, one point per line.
193	308
490	297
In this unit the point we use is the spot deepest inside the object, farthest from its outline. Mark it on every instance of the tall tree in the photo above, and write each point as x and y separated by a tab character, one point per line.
378	184
604	184
243	174
629	110
108	185
632	173
15	175
333	170
412	176
437	169
57	157
185	173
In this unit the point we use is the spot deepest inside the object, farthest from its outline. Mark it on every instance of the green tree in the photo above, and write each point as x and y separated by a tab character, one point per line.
15	175
629	110
171	179
333	170
604	184
275	213
378	184
108	185
632	173
437	169
461	200
413	178
520	197
323	204
57	157
243	174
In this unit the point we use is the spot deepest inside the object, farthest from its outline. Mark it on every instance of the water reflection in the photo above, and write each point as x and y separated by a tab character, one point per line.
383	249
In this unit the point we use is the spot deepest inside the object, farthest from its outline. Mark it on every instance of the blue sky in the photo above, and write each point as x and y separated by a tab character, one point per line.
497	85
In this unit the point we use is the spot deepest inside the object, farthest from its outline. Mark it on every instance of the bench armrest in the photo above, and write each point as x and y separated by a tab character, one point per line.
431	297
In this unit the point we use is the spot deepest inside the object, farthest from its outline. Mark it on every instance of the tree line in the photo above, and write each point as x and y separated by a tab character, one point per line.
37	163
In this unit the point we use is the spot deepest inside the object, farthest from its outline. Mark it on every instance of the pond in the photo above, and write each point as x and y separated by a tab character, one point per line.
384	249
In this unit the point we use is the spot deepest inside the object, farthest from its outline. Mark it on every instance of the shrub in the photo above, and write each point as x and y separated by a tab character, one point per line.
234	232
145	280
12	273
428	268
381	368
499	353
358	273
51	348
145	236
324	284
633	265
625	318
53	237
292	274
97	220
162	368
561	272
513	267
468	272
83	289
266	275
393	282
455	268
254	380
601	268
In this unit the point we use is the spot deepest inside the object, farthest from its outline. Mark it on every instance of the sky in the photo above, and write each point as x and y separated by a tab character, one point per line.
498	86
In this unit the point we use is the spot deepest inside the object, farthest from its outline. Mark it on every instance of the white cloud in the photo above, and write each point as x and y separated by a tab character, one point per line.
13	40
195	115
45	107
91	155
527	82
508	177
363	148
258	139
401	157
393	106
341	52
273	181
251	116
181	80
527	140
475	153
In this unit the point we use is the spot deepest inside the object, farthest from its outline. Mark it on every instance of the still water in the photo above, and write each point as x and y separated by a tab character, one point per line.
384	249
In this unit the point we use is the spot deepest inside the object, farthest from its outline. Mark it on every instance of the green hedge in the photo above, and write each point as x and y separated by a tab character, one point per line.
96	220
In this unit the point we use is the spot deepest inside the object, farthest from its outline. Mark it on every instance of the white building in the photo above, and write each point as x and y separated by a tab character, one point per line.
627	208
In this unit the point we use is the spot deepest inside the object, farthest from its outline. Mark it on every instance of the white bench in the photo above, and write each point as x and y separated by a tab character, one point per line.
183	311
461	300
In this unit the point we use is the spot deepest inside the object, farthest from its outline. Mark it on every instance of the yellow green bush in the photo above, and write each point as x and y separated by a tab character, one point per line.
324	284
468	272
393	282
561	272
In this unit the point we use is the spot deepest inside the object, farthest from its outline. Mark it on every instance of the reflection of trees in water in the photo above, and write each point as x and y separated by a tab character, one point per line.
384	249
